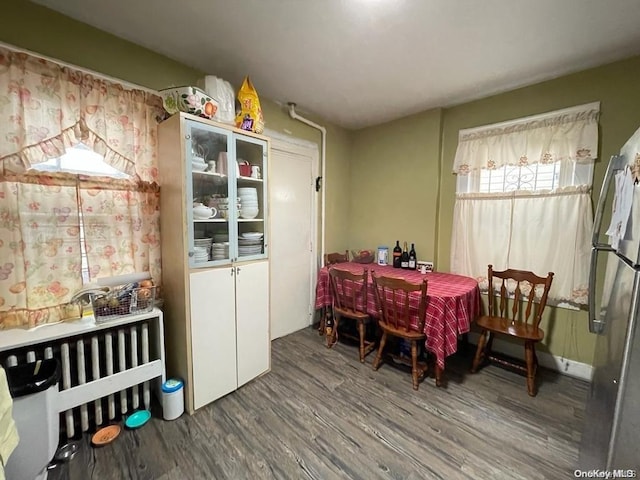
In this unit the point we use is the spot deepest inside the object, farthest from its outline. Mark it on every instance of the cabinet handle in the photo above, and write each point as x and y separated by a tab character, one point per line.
191	254
232	271
238	270
187	137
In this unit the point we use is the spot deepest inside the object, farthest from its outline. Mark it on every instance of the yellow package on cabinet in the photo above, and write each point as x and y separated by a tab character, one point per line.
249	116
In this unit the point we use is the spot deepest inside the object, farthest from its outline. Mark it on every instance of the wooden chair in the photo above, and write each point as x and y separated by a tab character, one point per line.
348	289
331	259
393	305
515	321
336	257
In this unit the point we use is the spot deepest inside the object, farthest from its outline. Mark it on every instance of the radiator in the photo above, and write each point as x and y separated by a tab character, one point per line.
105	373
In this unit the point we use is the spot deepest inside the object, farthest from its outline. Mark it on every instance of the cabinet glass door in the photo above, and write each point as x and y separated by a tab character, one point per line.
210	206
251	188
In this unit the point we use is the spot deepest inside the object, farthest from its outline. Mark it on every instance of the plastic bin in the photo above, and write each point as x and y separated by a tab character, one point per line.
172	399
30	378
33	387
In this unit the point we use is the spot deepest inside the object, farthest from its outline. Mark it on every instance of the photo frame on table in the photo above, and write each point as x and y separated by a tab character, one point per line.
424	266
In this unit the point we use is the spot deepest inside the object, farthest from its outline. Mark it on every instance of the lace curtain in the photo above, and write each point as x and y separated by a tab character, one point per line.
564	135
539	230
44	109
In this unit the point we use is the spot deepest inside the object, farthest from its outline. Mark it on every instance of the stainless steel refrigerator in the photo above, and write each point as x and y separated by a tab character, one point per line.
611	434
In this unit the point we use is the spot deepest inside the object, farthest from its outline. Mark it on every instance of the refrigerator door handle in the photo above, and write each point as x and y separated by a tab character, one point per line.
596	324
616	163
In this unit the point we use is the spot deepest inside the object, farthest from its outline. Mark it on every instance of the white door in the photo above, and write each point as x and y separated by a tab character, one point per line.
213	335
291	194
252	320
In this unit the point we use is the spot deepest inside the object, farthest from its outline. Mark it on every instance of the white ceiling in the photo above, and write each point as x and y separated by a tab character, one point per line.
358	63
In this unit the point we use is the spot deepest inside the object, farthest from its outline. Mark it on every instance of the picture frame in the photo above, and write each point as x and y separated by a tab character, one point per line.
425	267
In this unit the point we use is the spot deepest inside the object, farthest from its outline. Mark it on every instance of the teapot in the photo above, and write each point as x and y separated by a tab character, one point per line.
200	211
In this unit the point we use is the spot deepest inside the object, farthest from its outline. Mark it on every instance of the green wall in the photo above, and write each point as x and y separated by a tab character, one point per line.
394	184
403	186
616	87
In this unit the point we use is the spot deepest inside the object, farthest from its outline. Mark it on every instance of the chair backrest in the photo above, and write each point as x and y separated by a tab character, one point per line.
336	257
518	288
396	305
349	290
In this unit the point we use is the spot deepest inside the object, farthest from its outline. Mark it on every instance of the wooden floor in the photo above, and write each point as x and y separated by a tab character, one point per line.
320	414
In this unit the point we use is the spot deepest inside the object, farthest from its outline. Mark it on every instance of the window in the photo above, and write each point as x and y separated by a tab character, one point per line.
523	199
536	177
81	160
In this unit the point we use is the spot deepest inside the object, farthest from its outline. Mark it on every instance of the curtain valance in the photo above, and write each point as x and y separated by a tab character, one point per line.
46	107
563	135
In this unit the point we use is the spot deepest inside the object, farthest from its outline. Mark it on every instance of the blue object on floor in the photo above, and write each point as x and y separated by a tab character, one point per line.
137	419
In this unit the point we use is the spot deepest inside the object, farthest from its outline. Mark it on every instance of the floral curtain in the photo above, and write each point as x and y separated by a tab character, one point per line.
563	135
44	109
40	260
121	229
538	230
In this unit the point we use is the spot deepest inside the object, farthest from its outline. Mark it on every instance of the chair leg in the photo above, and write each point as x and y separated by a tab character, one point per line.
378	360
479	357
323	315
332	337
361	332
529	351
414	364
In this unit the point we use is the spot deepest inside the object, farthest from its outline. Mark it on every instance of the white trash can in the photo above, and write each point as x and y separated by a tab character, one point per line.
172	399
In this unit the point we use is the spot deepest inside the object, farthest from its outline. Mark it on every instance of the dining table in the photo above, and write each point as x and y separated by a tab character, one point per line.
453	302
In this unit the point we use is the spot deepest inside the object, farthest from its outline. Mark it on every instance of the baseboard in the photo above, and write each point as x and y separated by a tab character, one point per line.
562	365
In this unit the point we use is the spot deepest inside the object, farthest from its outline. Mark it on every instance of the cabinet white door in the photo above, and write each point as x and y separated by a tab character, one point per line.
213	335
252	320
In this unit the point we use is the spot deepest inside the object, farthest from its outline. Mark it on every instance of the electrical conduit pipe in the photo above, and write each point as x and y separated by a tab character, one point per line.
323	131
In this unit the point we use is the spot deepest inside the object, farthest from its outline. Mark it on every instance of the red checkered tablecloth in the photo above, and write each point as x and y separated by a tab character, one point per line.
453	302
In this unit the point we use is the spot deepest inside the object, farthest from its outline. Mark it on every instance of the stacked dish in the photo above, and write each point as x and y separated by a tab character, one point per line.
250	243
220	237
201	254
248	202
220	251
203	243
198	165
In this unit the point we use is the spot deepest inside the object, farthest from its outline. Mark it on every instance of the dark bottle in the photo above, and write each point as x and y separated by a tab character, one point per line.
413	261
329	330
404	258
397	253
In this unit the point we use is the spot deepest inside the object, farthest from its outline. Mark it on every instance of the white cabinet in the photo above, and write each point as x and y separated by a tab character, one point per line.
213	335
252	320
215	264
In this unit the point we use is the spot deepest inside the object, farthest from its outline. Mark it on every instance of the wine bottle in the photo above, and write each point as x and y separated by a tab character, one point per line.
329	330
397	253
413	261
404	258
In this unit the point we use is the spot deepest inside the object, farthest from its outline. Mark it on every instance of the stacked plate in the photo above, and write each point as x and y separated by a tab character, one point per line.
250	243
201	254
198	165
220	237
203	242
220	251
248	202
